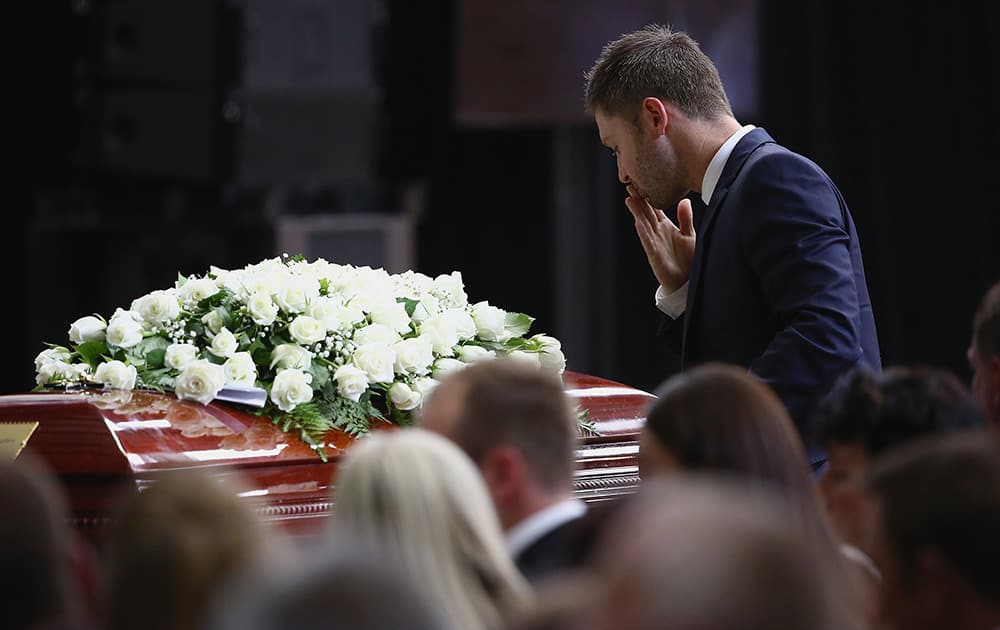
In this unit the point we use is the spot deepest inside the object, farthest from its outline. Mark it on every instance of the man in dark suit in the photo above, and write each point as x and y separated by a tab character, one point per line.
774	279
517	424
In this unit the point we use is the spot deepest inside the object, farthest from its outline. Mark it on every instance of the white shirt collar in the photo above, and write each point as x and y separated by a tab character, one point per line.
522	535
714	171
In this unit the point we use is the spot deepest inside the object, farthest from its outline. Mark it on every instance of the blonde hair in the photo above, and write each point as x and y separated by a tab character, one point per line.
418	497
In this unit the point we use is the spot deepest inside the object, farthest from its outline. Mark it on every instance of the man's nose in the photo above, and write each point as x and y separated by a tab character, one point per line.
622	175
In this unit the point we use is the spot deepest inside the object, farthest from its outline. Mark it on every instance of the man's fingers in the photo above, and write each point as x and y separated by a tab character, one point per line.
685	217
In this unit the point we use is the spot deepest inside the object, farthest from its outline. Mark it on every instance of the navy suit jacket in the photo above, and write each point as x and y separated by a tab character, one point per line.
777	283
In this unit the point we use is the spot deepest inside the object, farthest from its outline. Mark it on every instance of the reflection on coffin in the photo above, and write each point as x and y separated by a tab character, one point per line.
98	441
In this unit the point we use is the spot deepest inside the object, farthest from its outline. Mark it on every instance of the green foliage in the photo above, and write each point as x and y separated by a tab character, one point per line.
518	323
92	352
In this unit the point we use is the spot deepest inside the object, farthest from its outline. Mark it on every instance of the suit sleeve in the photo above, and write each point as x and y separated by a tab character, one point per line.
795	236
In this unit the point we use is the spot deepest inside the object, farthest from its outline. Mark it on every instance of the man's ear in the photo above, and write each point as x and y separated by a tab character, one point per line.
654	116
503	471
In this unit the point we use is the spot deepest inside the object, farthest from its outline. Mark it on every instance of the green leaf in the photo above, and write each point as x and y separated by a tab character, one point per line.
324	286
321	375
225	315
92	352
518	323
154	358
409	305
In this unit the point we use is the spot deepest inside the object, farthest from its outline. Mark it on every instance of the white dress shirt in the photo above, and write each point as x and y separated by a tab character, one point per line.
673	304
525	533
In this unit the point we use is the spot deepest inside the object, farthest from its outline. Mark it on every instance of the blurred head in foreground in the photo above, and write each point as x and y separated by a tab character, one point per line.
712	553
172	548
931	521
416	497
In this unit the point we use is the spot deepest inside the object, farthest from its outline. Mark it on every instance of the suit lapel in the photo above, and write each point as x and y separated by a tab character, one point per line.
737	159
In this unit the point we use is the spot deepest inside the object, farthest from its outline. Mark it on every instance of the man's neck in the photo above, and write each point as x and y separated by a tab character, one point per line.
699	141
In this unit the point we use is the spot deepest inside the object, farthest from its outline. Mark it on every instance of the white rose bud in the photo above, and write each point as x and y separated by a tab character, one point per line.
123	331
178	355
200	380
352	382
307	330
262	309
428	307
52	355
471	354
444	367
414	356
86	329
157	308
291	388
529	358
551	355
116	374
394	316
376	333
403	397
224	344
377	361
289	355
490	322
440	331
213	321
240	370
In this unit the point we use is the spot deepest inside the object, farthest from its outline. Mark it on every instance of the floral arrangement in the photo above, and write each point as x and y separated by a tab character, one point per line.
326	345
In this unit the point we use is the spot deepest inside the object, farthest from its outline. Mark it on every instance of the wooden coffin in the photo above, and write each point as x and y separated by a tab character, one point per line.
99	441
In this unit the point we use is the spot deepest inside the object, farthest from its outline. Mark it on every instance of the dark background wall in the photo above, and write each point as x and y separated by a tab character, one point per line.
134	163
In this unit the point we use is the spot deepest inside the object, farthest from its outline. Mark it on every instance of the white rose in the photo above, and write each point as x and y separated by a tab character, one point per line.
471	354
464	325
52	355
289	355
394	316
440	331
232	280
403	397
427	307
262	309
307	330
116	374
213	321
57	371
424	385
86	329
352	382
551	356
529	358
490	322
194	291
444	367
178	355
295	293
376	333
414	356
291	388
157	307
123	331
240	370
200	380
377	361
451	290
224	344
327	310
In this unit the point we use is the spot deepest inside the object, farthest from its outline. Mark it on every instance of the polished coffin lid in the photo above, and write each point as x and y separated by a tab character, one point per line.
99	441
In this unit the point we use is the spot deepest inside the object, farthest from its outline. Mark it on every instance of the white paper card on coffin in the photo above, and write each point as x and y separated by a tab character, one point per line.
253	396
